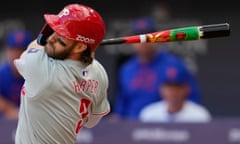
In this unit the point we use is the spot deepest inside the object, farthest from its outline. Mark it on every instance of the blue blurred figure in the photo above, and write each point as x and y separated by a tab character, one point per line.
139	76
10	80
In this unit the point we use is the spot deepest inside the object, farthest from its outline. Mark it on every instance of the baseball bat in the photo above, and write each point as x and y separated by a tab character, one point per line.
176	34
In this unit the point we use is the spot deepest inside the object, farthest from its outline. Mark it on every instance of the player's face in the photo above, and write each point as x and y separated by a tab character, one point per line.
59	47
174	93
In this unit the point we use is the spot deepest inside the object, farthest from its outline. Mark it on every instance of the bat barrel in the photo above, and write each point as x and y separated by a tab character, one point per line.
215	30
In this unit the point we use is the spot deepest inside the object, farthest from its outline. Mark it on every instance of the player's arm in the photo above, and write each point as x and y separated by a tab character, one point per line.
33	44
100	105
36	67
101	109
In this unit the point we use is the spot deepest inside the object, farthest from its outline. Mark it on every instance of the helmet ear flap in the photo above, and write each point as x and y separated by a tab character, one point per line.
44	34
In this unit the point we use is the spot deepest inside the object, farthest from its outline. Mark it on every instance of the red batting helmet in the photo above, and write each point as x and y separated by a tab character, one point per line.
79	23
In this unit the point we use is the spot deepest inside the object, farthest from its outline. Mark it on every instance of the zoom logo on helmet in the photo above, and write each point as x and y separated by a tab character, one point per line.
85	39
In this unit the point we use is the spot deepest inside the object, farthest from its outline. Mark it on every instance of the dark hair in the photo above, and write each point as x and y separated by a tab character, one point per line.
86	56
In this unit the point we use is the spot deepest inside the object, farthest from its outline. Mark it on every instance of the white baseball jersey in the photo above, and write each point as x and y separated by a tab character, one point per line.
191	112
58	98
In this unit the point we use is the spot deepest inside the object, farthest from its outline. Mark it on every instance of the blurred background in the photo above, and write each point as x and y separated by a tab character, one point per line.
214	61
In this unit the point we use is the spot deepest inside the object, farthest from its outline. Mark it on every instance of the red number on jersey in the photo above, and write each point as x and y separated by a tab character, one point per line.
83	110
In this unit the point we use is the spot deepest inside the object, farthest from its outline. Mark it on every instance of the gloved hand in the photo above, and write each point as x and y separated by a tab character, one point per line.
44	34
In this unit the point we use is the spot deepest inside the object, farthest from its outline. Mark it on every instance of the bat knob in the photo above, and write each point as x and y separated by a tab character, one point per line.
215	30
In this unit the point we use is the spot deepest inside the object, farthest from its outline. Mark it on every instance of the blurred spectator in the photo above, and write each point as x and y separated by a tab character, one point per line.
10	80
174	90
138	79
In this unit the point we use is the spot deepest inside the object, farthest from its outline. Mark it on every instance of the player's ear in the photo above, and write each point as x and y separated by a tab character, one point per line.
79	48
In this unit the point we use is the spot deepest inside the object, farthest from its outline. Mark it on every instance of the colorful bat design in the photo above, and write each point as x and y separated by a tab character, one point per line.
177	34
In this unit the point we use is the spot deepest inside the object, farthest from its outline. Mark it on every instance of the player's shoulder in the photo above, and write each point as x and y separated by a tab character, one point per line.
151	110
198	112
196	107
99	70
155	106
98	66
33	49
34	44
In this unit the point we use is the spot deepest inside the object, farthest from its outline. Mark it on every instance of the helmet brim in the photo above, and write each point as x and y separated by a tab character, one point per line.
55	23
52	20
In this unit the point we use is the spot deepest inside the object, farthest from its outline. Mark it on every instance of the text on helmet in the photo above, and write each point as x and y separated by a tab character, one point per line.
85	39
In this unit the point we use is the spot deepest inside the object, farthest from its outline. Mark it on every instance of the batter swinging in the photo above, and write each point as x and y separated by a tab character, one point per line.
65	88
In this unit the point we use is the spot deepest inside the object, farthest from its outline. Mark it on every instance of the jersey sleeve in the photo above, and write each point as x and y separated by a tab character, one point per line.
102	107
35	66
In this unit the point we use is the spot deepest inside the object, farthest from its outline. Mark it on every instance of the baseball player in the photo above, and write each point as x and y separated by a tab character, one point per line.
65	88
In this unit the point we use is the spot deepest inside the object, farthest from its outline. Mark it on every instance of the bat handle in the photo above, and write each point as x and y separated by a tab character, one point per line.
112	41
215	30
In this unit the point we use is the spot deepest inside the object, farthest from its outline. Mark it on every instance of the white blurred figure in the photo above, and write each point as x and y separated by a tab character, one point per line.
174	107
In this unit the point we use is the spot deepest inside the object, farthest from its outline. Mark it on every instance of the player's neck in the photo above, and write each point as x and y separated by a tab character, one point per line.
146	58
77	57
74	58
174	107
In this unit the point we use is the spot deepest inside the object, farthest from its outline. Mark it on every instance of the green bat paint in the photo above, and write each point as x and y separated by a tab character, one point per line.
189	33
